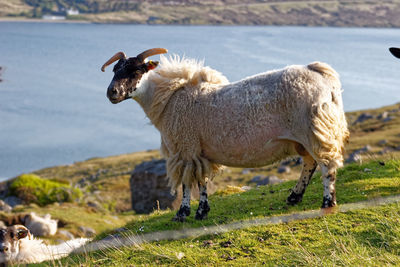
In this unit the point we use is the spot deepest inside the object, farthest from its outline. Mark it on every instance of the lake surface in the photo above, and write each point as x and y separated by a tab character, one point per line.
53	107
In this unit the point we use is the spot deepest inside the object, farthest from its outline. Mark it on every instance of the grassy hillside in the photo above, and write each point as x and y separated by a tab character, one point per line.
363	237
249	12
105	205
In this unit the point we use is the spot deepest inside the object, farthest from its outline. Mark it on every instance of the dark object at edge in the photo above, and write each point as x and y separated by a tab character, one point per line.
395	51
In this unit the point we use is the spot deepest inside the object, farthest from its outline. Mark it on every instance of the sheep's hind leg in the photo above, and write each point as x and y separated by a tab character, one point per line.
203	208
309	166
184	210
328	179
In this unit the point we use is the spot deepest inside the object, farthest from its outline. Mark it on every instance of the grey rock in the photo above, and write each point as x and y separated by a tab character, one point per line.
150	190
2	224
366	148
269	180
66	233
383	115
283	169
5	207
256	179
13	201
354	157
87	231
383	142
363	117
388	119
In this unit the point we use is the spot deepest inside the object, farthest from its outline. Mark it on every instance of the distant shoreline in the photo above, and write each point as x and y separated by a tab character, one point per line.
21	19
68	21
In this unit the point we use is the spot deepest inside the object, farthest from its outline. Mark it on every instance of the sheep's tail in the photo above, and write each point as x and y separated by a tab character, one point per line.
190	172
329	125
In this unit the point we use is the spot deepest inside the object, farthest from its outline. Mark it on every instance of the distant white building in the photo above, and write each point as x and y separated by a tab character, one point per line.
72	12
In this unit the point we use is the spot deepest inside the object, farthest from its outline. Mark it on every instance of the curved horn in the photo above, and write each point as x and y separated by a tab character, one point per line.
114	58
151	52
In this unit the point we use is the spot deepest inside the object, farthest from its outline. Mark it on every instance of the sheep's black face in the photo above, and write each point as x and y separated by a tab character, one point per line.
127	74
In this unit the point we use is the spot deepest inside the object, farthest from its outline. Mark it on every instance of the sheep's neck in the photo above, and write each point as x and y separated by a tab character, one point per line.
145	99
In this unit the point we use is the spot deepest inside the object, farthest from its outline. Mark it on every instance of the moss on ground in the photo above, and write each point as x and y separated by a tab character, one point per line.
33	189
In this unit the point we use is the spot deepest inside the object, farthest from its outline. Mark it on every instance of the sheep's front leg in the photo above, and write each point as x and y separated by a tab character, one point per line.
309	166
328	179
203	208
184	210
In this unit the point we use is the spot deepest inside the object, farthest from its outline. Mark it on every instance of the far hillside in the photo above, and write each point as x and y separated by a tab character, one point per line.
227	12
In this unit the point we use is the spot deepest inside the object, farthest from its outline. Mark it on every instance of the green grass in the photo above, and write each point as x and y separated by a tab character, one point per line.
353	185
368	237
365	237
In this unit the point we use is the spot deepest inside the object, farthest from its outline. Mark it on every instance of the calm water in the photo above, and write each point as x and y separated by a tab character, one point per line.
53	108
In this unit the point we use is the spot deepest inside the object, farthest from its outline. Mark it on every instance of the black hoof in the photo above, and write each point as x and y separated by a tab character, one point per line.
294	198
202	211
328	203
179	218
181	215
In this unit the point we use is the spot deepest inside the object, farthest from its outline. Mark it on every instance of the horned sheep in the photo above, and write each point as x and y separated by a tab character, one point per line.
206	122
18	245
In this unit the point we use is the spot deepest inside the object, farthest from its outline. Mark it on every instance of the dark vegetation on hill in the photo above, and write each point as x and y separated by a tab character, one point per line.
249	12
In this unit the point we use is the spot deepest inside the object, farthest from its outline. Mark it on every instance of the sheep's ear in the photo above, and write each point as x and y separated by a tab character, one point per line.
151	65
22	233
395	51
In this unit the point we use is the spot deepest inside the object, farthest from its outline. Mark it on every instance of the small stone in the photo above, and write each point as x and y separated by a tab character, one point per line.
256	179
388	119
269	180
367	170
366	148
246	188
5	207
383	115
66	233
283	169
363	117
354	157
13	201
87	231
383	142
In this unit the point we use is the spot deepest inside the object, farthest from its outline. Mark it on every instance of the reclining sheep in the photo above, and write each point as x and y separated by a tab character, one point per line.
17	245
206	122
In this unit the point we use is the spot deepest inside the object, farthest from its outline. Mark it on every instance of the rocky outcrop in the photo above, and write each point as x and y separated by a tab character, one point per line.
150	190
